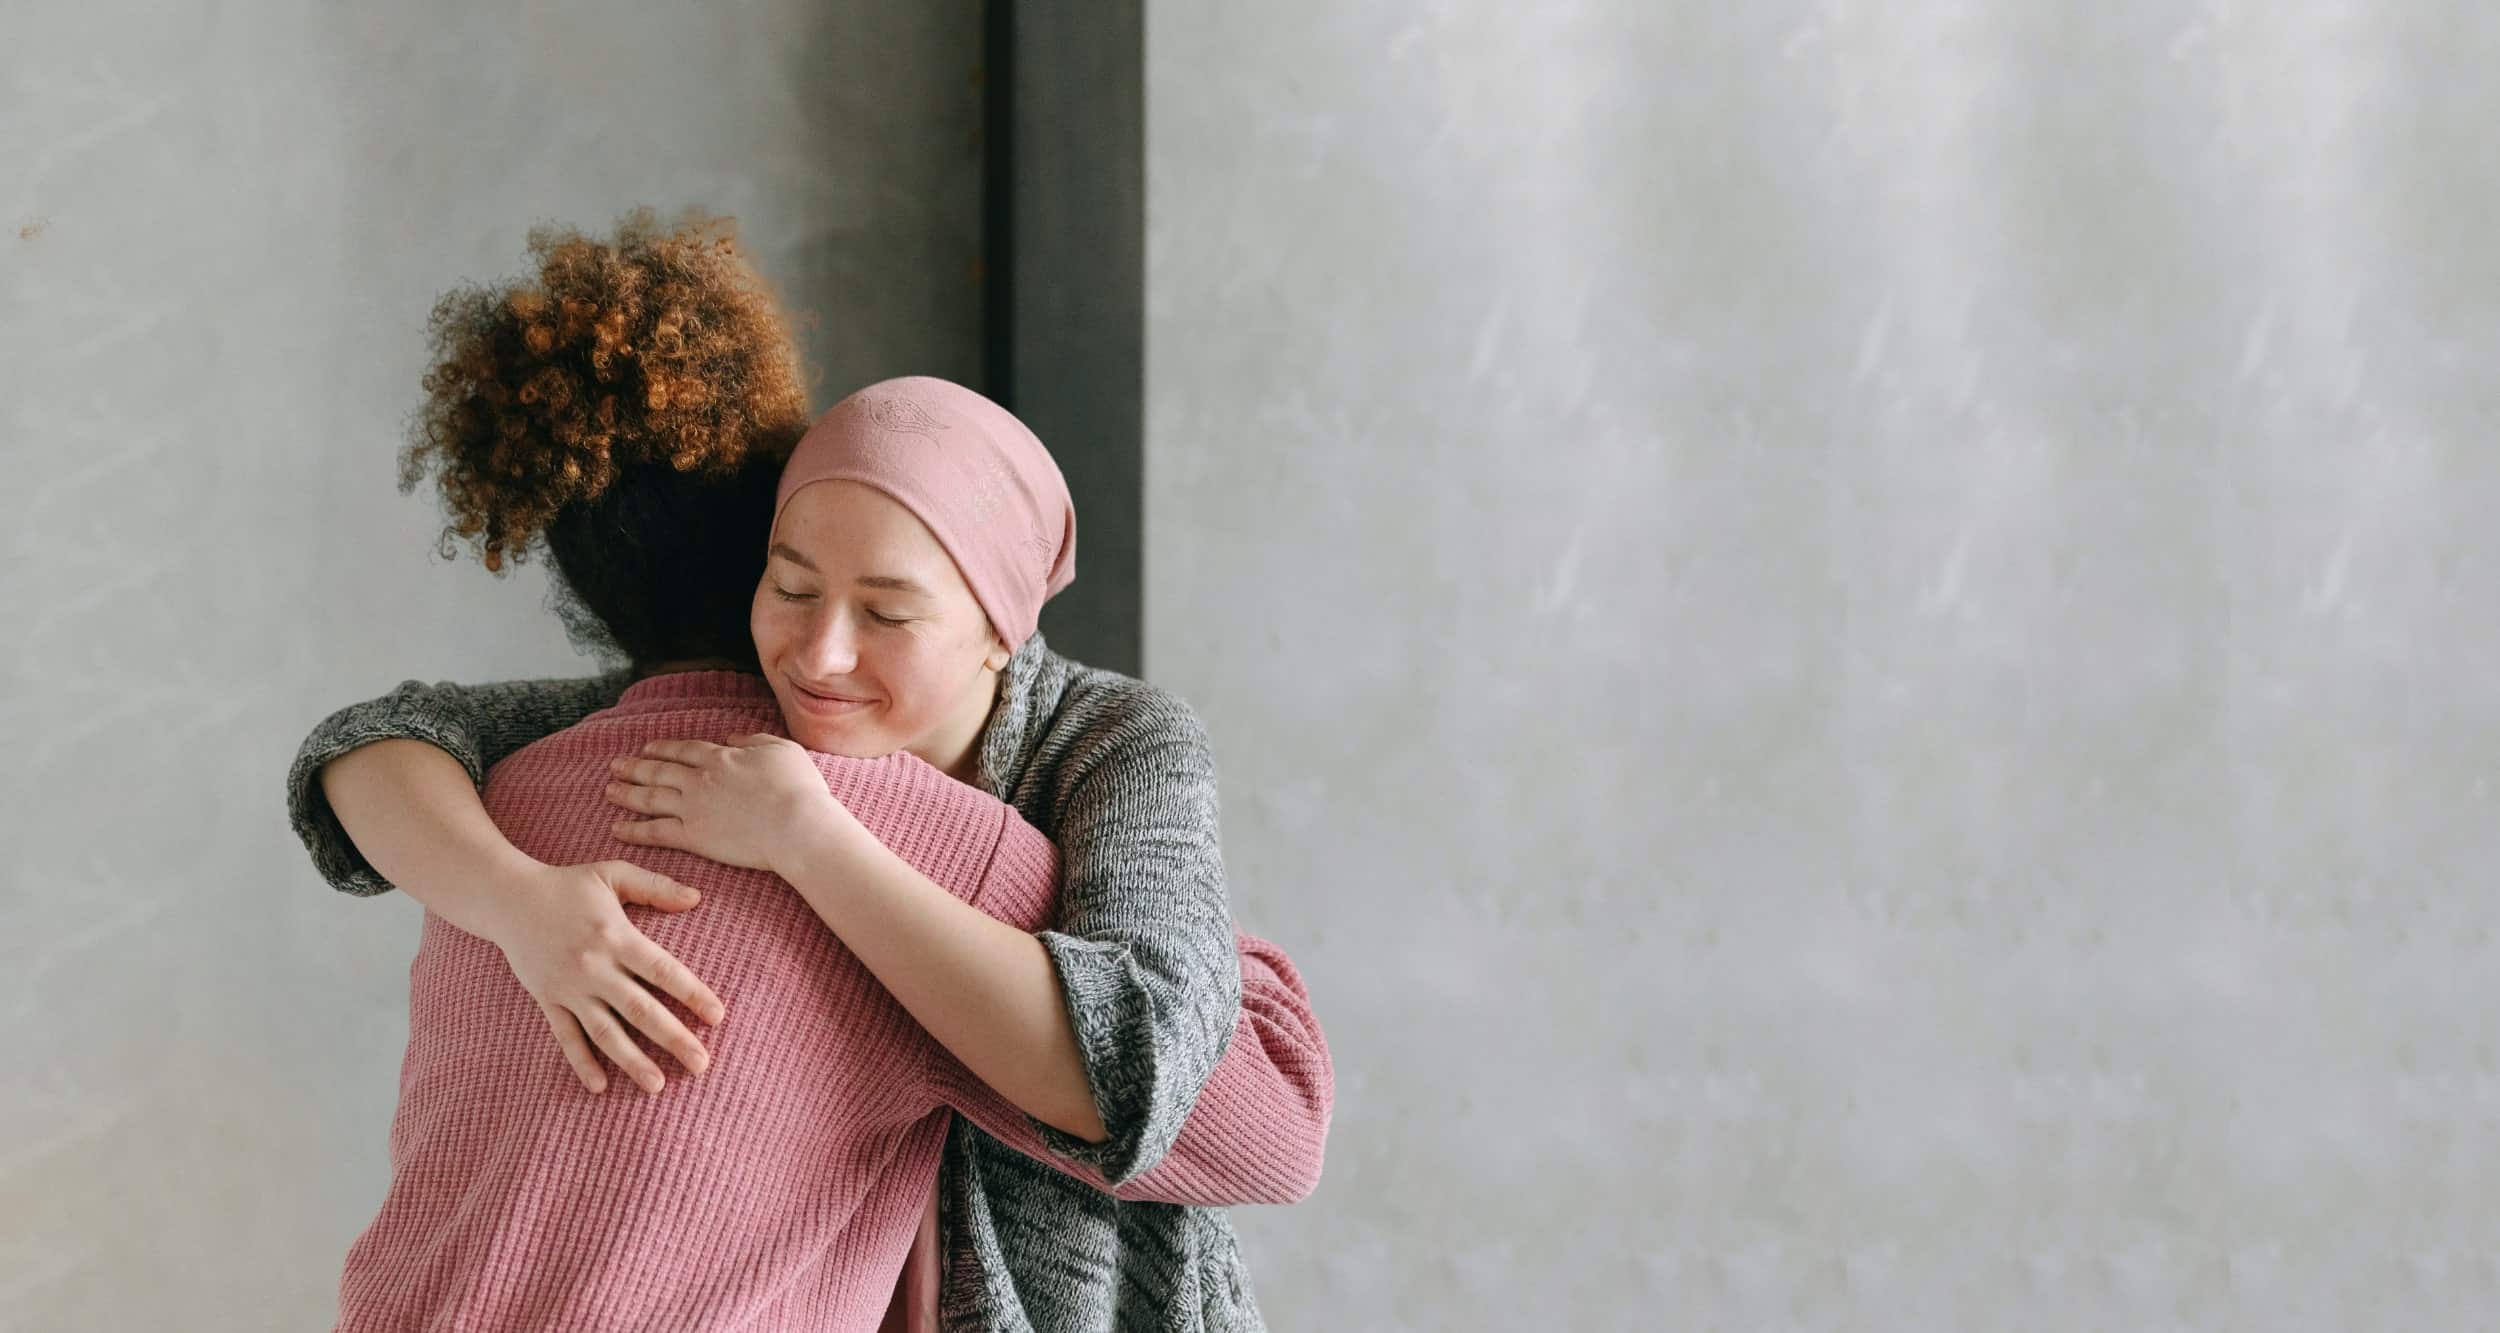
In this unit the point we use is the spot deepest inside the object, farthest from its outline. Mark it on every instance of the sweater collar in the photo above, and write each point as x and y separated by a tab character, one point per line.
1036	677
677	689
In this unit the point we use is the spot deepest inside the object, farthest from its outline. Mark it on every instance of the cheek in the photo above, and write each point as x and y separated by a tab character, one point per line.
775	624
915	669
762	627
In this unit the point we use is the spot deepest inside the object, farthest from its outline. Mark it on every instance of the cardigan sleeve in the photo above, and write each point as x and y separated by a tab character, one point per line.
1143	948
1260	1126
475	724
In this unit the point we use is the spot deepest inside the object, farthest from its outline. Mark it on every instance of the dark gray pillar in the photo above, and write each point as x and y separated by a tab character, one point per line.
1066	200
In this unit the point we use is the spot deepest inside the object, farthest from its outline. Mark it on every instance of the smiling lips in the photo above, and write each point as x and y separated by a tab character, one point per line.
815	702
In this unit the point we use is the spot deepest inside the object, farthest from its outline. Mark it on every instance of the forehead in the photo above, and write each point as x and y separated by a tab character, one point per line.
857	533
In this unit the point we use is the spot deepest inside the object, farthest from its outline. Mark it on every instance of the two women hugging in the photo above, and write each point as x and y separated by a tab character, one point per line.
979	1044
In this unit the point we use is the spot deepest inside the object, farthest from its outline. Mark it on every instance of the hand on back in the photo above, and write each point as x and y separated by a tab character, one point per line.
566	936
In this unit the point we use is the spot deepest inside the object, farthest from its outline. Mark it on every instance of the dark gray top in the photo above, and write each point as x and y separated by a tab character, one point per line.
1118	773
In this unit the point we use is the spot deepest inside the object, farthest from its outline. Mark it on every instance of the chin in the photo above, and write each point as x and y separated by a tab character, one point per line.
836	738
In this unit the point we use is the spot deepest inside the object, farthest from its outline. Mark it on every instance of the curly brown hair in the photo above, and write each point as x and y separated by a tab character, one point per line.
663	345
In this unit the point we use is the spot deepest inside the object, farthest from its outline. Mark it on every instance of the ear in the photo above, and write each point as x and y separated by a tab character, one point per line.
999	653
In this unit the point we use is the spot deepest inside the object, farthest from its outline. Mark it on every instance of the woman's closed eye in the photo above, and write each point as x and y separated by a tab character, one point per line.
788	596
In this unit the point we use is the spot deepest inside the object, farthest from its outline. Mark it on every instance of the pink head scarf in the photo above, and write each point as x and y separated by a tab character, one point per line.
977	477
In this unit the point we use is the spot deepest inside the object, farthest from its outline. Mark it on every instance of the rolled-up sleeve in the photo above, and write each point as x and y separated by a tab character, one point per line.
1259	1131
475	724
1144	944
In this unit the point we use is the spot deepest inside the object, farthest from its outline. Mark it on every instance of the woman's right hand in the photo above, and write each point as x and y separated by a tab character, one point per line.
565	933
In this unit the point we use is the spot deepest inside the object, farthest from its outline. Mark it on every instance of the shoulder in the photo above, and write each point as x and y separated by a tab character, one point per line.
1104	716
524	708
1097	698
1121	757
1062	727
600	730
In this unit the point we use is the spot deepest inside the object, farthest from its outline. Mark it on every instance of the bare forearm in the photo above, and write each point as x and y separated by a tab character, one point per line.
984	989
410	809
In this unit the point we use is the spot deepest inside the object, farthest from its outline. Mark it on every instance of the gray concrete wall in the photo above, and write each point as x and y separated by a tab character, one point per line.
224	228
1853	644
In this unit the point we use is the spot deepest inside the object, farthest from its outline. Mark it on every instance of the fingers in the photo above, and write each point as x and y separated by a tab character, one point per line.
643	800
652	772
669	832
577	1053
610	1036
640	1008
690	753
661	968
635	884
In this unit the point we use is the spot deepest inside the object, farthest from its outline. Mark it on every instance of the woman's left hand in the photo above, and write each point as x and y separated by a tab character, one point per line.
748	803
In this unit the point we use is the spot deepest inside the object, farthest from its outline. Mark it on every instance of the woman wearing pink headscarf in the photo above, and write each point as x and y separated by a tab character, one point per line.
917	531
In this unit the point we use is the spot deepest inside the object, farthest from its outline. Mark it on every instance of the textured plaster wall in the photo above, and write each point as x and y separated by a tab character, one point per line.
1853	642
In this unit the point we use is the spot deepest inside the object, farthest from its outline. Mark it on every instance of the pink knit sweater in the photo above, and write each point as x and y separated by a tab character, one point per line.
781	1189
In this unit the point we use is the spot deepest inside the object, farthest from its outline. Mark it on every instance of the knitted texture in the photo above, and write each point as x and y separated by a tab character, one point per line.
778	1190
1118	773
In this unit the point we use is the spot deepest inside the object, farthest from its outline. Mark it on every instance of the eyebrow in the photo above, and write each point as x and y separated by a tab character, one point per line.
887	581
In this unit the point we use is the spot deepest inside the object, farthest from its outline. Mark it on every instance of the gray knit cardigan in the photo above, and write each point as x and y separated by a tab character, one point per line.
1118	773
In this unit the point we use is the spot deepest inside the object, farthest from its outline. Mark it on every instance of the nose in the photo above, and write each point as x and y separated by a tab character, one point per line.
829	650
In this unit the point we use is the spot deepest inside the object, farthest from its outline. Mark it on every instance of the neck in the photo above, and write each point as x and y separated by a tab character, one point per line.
955	748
